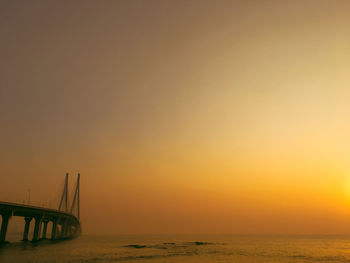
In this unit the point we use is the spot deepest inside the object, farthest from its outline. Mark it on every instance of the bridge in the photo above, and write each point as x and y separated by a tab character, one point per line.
65	224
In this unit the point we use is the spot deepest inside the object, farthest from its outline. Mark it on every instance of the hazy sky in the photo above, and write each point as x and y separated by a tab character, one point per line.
181	116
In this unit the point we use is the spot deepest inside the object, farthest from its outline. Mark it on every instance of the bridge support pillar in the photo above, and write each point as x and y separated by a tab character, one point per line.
54	229
37	226
45	221
26	228
64	229
4	224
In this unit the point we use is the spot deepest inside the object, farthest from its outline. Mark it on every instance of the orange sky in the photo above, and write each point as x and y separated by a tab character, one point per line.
181	116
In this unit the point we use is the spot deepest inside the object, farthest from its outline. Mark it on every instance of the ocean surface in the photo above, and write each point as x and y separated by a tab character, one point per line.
193	249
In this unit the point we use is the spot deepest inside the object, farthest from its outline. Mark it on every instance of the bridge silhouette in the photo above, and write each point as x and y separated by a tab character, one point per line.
65	224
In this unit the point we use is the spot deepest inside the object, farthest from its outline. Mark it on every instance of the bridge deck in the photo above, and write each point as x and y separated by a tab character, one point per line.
29	210
32	211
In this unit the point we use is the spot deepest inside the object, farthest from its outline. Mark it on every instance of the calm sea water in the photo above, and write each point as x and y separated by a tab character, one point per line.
182	249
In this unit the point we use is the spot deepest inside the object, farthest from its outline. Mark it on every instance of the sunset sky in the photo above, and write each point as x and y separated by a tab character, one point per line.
181	116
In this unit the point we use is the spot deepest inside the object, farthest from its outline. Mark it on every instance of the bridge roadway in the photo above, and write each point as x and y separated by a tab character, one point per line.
64	225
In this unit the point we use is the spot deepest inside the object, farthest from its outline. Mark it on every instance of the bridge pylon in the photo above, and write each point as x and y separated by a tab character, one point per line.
64	197
76	198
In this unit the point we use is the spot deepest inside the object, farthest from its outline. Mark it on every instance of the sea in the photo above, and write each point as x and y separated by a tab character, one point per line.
186	248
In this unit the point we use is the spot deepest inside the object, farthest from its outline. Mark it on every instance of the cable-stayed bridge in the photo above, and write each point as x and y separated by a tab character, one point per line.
65	219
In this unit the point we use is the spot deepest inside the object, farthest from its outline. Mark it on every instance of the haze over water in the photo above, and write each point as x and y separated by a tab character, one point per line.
300	249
